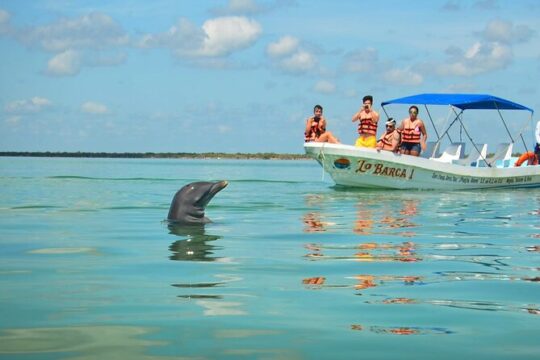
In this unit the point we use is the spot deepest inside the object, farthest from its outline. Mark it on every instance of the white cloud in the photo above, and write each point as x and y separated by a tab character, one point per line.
238	7
287	55
361	61
91	107
223	129
110	58
351	93
227	34
486	4
284	46
13	120
300	61
462	88
403	77
4	21
33	105
491	52
217	37
506	32
480	58
182	38
249	7
451	5
65	63
91	31
325	87
93	39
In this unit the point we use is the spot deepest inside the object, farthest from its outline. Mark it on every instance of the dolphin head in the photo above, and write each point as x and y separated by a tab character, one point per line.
189	202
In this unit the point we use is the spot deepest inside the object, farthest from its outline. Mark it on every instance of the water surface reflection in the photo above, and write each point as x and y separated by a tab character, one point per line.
464	250
195	245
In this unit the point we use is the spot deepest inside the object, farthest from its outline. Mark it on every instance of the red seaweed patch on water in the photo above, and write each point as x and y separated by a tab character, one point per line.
403	330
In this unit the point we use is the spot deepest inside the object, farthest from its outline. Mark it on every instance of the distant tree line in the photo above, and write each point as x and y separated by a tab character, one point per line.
151	155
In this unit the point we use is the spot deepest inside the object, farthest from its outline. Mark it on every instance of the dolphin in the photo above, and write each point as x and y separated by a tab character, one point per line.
188	204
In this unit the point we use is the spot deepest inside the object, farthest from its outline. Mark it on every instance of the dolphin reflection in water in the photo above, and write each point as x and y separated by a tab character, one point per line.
196	245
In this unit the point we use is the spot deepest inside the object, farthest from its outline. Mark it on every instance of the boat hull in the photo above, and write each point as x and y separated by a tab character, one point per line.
368	168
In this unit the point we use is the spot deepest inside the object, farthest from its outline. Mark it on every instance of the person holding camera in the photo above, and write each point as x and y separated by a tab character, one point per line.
367	126
316	128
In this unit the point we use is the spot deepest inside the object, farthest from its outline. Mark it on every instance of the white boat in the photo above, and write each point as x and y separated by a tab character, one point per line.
450	170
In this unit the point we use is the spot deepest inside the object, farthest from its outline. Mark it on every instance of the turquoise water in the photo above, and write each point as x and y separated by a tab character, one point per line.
291	268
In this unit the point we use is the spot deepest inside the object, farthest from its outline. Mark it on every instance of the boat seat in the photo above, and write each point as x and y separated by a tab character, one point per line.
474	156
432	150
501	158
453	152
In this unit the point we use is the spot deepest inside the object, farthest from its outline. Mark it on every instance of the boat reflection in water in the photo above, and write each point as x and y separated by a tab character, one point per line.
385	267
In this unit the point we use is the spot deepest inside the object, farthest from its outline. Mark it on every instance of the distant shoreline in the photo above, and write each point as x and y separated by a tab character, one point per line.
151	155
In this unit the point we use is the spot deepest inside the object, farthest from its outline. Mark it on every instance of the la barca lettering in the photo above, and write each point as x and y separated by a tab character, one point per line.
380	169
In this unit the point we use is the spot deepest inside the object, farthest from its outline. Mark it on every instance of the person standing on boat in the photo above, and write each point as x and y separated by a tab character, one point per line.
413	133
316	128
390	139
367	126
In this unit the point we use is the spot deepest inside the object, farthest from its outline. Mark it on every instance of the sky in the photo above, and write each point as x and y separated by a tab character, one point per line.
243	75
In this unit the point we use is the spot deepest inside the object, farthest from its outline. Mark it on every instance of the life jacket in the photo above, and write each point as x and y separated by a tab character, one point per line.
386	140
314	129
367	127
412	133
529	156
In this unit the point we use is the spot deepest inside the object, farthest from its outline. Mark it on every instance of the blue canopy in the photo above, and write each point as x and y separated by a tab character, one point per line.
461	101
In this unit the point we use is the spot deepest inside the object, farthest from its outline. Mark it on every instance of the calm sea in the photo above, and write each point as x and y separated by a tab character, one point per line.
291	268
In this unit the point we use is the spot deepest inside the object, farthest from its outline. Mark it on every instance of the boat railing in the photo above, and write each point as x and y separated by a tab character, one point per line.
478	152
453	152
501	158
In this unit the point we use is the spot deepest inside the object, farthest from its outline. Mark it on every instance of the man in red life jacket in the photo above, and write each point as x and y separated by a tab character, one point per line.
390	139
316	128
367	126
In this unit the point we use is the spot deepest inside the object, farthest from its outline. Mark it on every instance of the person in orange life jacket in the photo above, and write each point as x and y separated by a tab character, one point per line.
413	133
390	139
367	126
316	128
532	158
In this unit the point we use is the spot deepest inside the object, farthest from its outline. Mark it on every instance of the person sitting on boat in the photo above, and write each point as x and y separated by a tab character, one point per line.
390	139
413	133
367	127
316	128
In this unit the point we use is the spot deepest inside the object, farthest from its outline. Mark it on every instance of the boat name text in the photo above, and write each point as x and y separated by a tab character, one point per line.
382	170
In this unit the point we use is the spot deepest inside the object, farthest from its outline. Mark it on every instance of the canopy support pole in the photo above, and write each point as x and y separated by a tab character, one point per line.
504	122
472	141
385	113
451	124
432	123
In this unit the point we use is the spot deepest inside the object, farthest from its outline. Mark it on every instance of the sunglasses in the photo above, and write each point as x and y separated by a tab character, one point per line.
413	112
